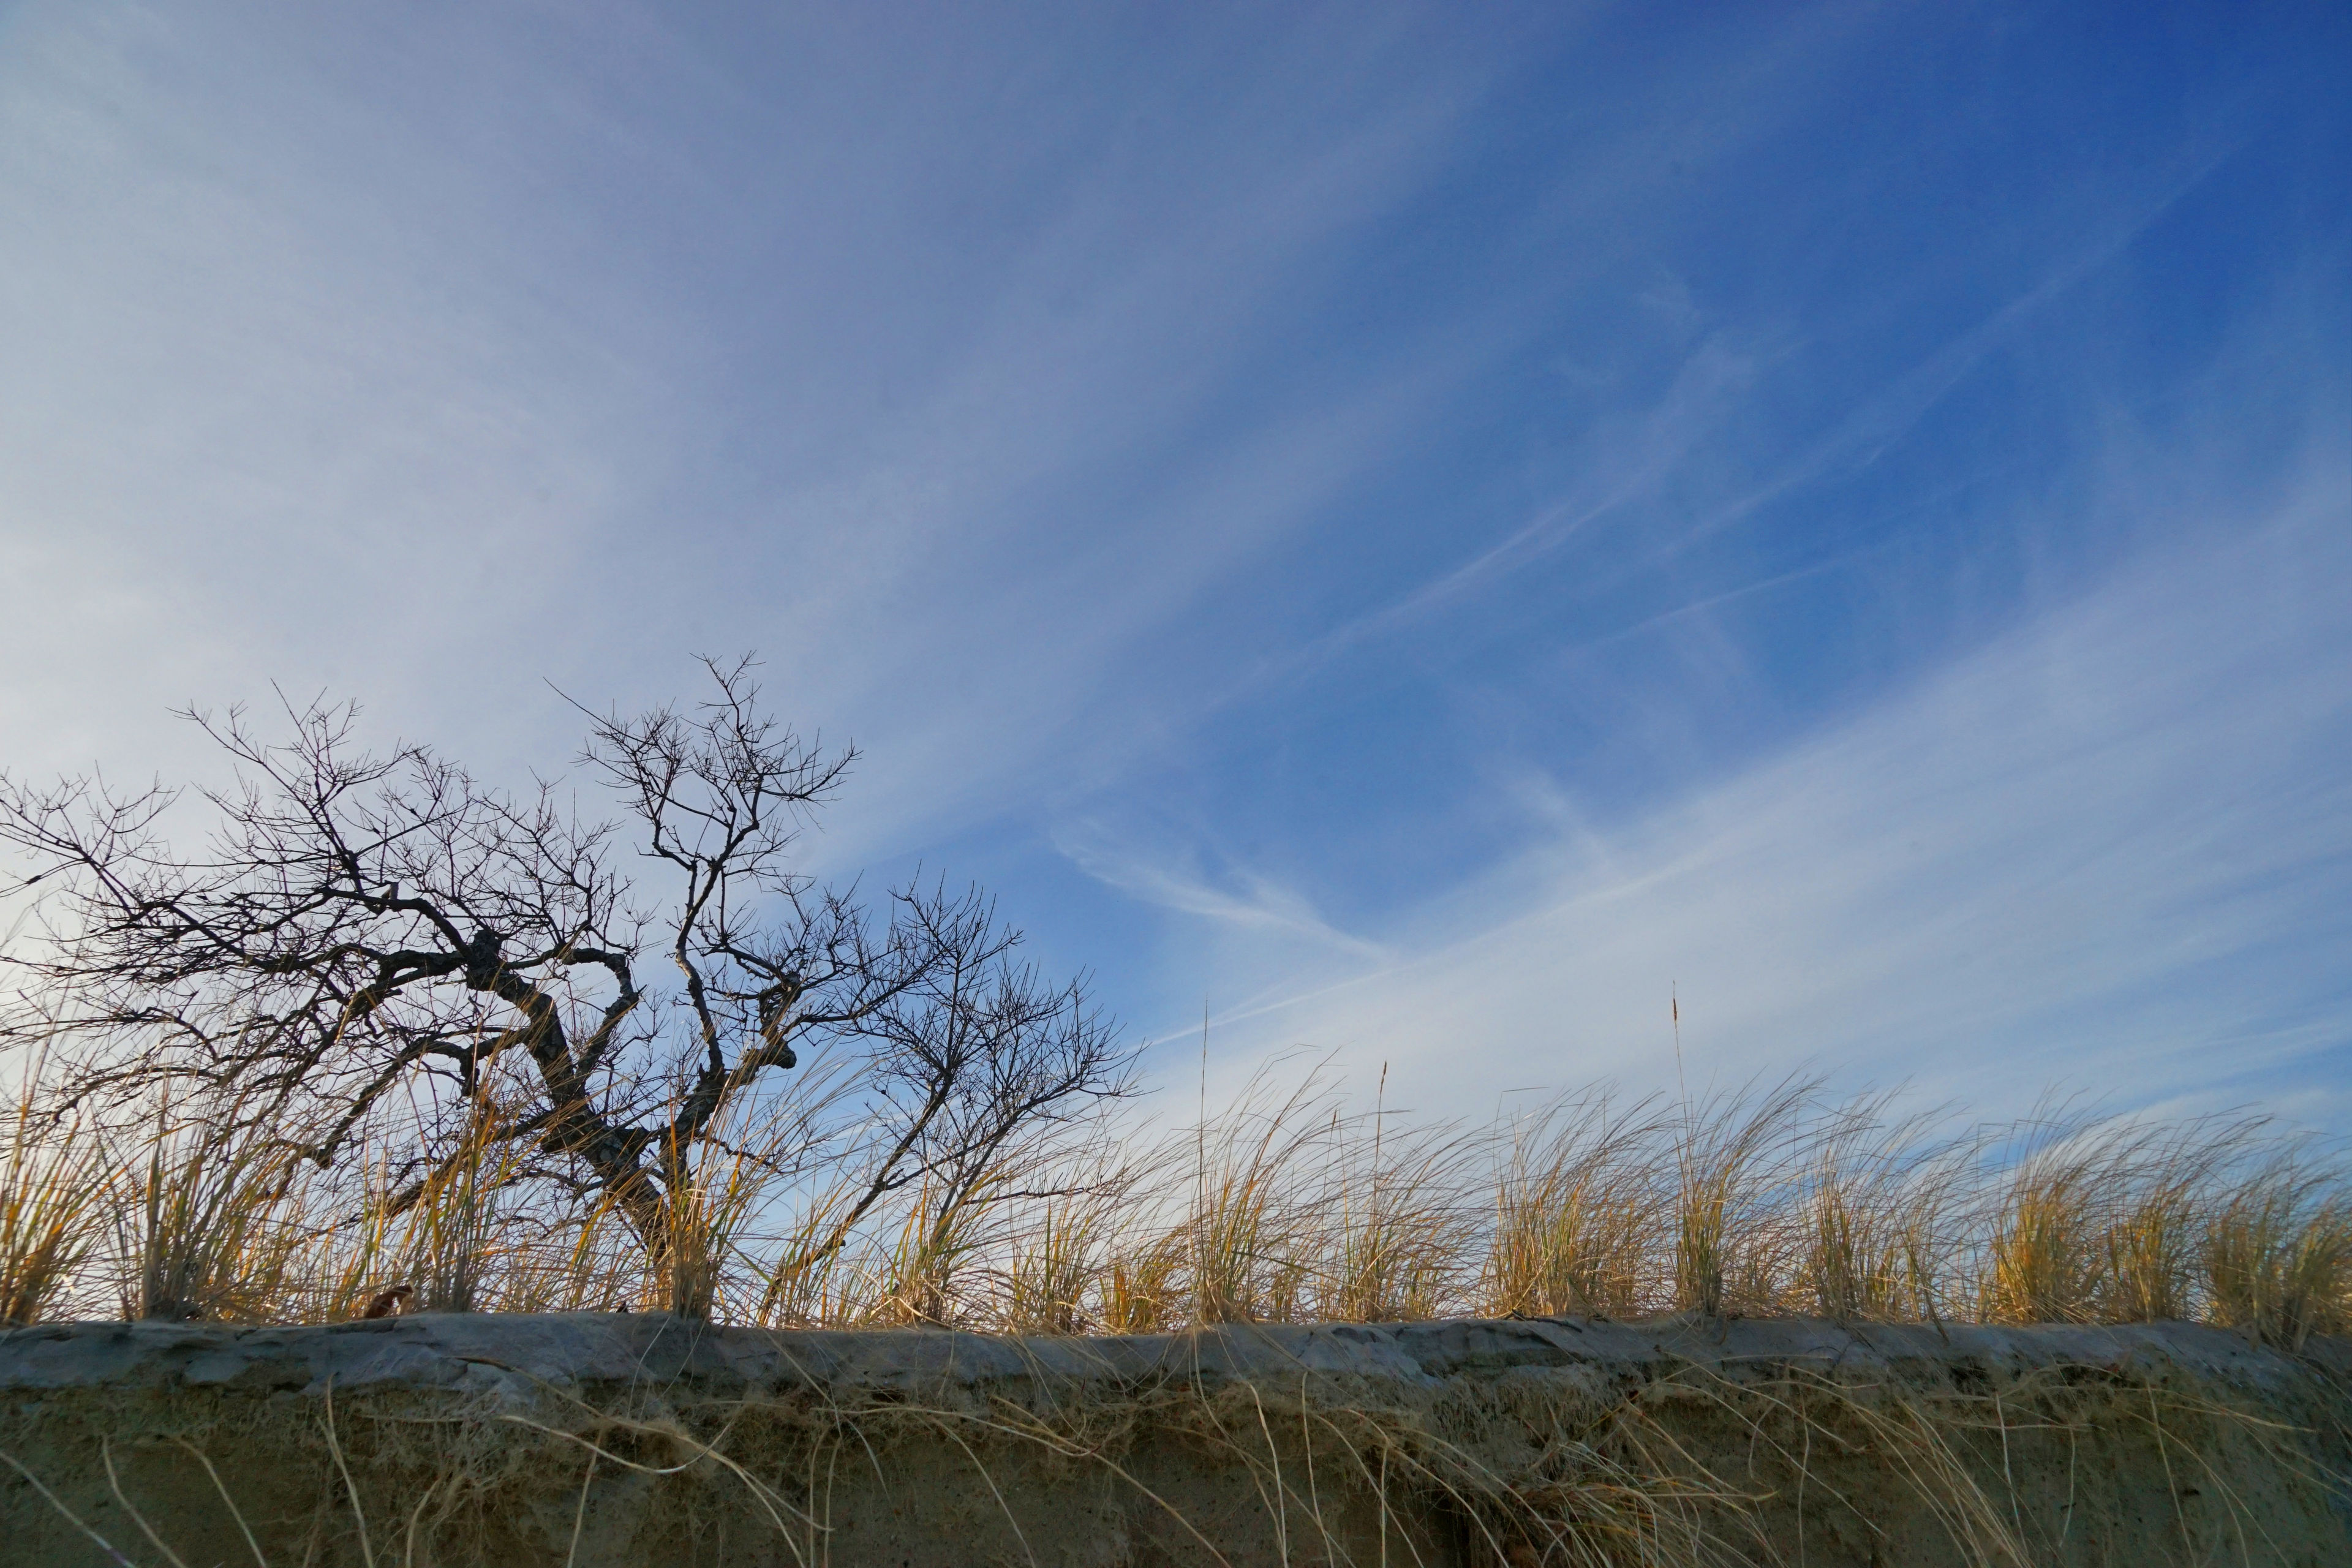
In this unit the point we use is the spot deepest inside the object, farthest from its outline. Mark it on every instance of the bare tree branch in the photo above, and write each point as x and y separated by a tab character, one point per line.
364	934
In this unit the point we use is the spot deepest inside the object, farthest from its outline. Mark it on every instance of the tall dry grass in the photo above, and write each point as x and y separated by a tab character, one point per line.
1254	1220
200	1216
1581	1198
2160	1180
2047	1217
1060	1251
452	1233
53	1185
1397	1224
2277	1249
1288	1206
700	1269
1874	1197
1051	1268
1732	1237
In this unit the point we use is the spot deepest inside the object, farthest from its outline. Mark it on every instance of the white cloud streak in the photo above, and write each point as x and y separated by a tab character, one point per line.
2105	849
365	389
426	362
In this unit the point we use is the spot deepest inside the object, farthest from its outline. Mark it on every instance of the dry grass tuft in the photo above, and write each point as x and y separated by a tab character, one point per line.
1052	1267
199	1222
2277	1252
2044	1259
1578	1199
1877	1196
1396	1225
453	1231
1140	1293
1063	1270
51	1179
706	1210
1731	1155
1247	1237
2159	1180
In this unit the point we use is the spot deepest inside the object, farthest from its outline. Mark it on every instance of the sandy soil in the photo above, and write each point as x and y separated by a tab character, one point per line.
610	1440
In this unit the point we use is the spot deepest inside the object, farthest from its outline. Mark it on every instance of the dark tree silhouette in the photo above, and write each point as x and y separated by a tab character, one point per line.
364	935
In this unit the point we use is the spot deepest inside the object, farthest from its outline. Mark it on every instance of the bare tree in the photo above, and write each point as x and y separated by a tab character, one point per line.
366	934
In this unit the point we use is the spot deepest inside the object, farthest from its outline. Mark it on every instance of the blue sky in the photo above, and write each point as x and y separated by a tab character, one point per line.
1420	529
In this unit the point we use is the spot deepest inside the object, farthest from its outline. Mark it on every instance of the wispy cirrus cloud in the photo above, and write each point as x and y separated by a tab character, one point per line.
2104	849
1426	531
1244	905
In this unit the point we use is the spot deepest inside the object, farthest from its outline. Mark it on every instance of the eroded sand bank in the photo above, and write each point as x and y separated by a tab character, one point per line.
608	1440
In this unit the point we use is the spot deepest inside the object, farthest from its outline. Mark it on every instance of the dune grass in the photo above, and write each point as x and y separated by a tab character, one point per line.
1776	1198
52	1187
1579	1202
202	1223
1781	1198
